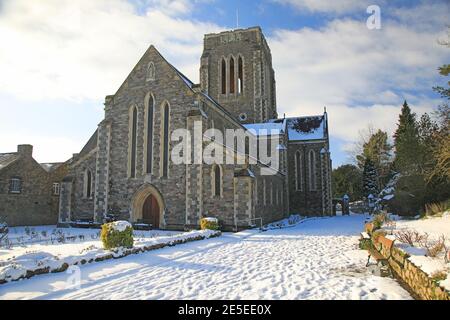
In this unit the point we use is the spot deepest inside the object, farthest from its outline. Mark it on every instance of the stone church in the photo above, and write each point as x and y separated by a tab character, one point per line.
125	168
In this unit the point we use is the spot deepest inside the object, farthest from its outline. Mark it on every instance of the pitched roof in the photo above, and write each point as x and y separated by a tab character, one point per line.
49	167
90	145
266	128
306	128
7	158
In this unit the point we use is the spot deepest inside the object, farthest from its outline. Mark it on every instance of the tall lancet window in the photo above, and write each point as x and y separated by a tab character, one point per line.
240	75
223	76
232	77
132	142
217	181
298	171
88	183
165	140
312	170
150	107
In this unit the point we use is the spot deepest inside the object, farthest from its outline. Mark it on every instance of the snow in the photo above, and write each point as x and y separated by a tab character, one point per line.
435	227
315	258
296	135
266	128
121	226
15	262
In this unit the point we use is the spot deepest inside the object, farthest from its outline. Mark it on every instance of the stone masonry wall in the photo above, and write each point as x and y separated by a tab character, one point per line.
36	204
416	279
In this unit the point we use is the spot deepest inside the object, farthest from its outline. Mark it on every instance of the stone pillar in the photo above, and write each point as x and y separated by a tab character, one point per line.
194	170
327	206
243	206
102	171
65	201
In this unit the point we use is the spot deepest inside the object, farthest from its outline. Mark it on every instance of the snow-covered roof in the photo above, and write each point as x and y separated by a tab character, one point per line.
50	166
7	158
266	128
306	128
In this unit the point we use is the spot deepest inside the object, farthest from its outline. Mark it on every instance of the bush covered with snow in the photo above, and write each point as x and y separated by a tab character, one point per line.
209	224
117	234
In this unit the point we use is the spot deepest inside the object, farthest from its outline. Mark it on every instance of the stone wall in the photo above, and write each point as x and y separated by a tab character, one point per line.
257	100
415	278
35	204
307	201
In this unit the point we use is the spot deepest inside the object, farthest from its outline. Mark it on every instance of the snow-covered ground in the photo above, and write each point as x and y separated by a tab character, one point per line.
316	259
435	227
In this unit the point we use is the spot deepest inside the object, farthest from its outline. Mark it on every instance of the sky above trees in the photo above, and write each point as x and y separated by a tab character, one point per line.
59	59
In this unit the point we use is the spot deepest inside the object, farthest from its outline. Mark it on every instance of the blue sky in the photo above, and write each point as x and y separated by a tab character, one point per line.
60	59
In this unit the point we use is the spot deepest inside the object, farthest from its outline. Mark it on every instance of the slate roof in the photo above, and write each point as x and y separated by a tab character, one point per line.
7	158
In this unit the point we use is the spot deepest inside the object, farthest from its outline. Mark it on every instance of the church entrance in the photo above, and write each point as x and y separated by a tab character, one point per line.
151	211
148	207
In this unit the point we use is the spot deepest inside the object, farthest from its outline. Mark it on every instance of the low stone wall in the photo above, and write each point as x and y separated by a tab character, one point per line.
415	278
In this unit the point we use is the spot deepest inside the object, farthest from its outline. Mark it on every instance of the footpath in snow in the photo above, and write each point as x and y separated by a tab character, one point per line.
316	259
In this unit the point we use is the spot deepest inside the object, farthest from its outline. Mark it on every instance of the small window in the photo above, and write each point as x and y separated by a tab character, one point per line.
56	189
15	185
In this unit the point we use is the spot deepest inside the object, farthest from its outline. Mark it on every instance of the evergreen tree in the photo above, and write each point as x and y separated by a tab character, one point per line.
347	179
406	141
378	149
370	179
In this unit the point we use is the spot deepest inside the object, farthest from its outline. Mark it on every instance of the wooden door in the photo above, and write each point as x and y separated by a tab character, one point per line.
150	211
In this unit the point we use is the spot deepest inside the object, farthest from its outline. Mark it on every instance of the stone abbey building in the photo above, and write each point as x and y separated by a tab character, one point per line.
126	169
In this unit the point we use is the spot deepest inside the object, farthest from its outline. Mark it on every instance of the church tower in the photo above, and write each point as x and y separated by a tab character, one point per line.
236	70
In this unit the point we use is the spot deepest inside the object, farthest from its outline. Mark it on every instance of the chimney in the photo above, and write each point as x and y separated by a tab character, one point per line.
25	150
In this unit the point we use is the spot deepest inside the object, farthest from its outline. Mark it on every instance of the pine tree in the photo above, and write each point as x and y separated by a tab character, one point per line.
370	178
407	145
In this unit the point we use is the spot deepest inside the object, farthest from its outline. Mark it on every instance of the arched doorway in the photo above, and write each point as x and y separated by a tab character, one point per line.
148	206
151	211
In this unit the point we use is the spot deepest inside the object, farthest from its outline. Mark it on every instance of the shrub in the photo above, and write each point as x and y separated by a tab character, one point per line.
438	276
377	234
117	234
379	219
411	237
3	231
433	209
434	248
209	224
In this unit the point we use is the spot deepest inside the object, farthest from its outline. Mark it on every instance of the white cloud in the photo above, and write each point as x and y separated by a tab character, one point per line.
335	6
361	75
84	49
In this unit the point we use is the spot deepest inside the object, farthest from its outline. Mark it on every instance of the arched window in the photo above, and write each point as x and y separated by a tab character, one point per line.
132	142
150	106
240	75
298	171
223	76
88	183
151	71
312	170
217	181
165	140
232	78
